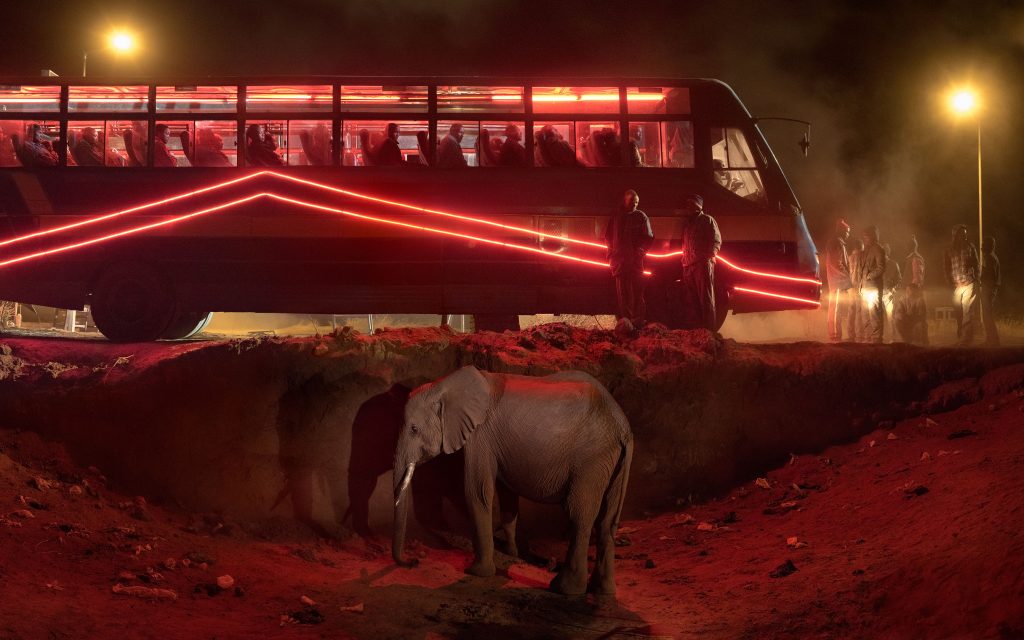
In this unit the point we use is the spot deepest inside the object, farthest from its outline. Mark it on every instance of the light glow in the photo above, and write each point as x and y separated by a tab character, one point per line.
122	41
963	101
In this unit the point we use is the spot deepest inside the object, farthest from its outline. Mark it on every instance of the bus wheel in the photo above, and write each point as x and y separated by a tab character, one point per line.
132	302
186	324
496	322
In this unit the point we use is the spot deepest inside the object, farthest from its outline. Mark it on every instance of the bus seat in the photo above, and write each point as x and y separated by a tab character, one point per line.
186	147
364	144
423	142
315	156
19	150
485	150
128	135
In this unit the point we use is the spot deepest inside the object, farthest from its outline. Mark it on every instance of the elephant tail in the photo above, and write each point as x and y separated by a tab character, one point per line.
615	496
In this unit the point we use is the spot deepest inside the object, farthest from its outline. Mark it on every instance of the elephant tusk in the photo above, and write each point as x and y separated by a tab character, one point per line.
406	479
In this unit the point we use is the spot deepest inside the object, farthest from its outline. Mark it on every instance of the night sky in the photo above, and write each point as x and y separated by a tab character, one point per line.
871	76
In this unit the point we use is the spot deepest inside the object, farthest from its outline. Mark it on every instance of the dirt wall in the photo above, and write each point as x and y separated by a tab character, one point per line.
305	428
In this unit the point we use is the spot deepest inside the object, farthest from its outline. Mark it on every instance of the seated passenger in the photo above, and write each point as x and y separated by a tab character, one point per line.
161	154
88	151
37	150
552	150
316	145
388	153
209	151
449	150
260	148
513	153
724	178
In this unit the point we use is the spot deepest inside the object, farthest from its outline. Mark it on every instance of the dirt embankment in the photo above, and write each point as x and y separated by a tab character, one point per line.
306	427
912	531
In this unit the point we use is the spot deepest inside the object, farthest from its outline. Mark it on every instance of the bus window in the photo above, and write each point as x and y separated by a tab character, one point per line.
262	99
29	143
735	168
197	99
645	139
501	144
35	99
457	144
575	99
266	142
479	99
677	144
123	98
215	144
554	144
386	99
599	144
670	100
126	143
181	141
384	143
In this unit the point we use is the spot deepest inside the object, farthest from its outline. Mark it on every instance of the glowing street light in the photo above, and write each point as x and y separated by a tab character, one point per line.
120	41
963	102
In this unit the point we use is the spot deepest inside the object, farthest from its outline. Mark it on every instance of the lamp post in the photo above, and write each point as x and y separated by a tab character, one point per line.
119	41
964	103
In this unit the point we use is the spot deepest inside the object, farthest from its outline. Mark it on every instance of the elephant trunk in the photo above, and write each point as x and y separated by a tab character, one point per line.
402	482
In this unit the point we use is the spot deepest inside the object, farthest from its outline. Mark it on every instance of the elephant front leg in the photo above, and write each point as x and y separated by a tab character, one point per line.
479	495
508	505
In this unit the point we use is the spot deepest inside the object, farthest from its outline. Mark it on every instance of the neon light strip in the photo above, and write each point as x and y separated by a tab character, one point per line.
403	205
816	303
309	205
585	97
115	214
769	275
85	243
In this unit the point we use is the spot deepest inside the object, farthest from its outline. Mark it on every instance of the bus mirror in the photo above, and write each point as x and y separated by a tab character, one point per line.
805	142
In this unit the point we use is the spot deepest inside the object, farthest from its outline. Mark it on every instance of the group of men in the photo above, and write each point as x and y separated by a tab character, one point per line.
629	237
867	290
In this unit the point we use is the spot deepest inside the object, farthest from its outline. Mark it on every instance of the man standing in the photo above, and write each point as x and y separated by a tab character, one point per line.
628	237
701	242
449	150
991	280
872	270
961	267
891	280
837	270
855	324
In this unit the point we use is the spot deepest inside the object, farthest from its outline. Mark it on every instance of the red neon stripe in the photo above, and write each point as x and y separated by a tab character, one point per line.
498	243
769	275
816	303
116	214
447	214
85	243
309	205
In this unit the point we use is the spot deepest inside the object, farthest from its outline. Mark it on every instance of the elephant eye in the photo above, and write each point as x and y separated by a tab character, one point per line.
415	429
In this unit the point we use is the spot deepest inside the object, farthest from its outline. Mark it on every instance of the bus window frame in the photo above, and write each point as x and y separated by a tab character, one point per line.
338	118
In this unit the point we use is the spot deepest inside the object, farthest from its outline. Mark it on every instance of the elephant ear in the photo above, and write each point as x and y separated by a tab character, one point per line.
464	400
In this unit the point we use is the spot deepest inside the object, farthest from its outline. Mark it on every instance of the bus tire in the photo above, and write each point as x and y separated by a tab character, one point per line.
497	322
132	302
186	324
722	295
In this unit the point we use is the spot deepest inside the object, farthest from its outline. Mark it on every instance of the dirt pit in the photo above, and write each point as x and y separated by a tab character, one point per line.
133	477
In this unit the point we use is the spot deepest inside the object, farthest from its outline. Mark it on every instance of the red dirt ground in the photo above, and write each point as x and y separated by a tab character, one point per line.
899	544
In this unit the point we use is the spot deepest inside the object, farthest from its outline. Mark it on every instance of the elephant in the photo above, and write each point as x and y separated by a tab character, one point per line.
560	438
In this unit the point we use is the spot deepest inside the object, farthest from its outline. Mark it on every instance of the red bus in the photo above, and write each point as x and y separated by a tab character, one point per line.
157	203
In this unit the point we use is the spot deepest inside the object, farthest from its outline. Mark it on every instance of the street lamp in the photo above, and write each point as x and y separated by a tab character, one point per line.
965	103
120	41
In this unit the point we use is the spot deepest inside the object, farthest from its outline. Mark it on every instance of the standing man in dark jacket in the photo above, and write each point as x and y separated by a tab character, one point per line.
837	269
991	280
872	268
701	243
628	237
961	267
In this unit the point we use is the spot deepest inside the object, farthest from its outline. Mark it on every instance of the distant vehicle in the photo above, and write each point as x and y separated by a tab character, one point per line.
158	203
